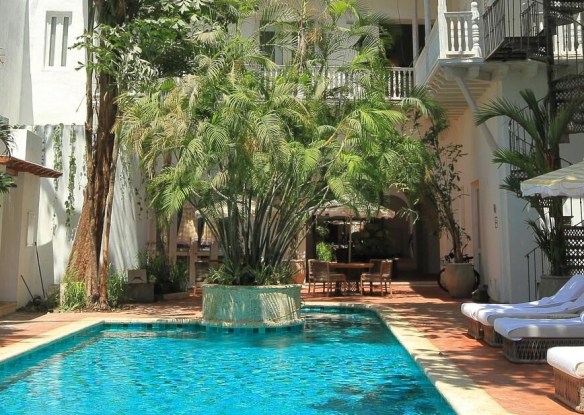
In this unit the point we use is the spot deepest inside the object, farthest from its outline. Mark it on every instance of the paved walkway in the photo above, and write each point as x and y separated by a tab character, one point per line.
518	388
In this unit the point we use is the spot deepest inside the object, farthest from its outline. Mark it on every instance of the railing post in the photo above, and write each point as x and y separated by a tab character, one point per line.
442	28
476	39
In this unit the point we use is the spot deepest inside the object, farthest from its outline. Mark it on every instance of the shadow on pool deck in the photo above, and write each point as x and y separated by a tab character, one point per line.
519	388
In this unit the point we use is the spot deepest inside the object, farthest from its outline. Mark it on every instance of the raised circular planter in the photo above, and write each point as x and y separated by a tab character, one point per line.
251	306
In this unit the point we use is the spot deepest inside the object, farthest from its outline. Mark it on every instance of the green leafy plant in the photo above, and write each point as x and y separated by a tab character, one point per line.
324	251
547	132
116	287
74	297
259	157
441	185
6	181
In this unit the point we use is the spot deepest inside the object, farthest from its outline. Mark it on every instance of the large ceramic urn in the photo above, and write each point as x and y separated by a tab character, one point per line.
459	279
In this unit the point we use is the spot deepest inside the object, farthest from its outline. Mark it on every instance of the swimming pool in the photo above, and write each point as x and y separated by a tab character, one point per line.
343	362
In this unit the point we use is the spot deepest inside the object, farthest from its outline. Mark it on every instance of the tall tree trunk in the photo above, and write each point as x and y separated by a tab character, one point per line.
86	251
103	275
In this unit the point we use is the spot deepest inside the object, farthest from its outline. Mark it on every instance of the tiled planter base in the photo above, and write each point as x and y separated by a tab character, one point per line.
251	306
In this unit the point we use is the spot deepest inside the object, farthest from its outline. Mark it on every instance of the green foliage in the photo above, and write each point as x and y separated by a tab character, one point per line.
166	277
116	287
179	276
74	297
57	139
441	186
546	132
70	202
324	251
258	157
6	181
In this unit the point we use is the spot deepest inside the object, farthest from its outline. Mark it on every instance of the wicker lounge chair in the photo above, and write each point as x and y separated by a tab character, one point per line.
527	340
570	291
568	365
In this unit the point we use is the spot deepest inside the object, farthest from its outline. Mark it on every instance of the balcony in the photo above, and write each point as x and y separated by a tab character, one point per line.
340	83
455	36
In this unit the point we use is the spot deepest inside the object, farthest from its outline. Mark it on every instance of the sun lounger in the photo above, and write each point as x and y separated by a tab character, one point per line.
568	365
570	291
528	339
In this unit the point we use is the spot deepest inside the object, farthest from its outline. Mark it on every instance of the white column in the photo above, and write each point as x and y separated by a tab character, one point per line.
476	46
427	19
415	40
442	28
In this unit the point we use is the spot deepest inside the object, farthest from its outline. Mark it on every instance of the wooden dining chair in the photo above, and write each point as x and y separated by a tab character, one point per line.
381	273
319	273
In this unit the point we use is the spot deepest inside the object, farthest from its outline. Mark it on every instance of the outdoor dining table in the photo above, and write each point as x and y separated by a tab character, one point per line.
353	271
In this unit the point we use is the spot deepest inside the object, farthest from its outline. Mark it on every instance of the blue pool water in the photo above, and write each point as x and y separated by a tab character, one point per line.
341	363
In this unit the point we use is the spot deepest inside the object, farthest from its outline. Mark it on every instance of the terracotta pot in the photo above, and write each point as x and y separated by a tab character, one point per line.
459	279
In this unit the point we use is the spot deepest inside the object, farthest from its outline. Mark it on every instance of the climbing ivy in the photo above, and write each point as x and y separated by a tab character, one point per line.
57	137
70	202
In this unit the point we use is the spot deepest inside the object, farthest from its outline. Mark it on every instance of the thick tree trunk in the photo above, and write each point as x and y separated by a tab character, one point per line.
85	254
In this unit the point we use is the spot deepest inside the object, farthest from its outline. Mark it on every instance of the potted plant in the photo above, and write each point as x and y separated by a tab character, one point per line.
259	159
547	131
441	187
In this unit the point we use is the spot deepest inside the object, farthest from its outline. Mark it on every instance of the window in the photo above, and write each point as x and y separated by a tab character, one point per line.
57	37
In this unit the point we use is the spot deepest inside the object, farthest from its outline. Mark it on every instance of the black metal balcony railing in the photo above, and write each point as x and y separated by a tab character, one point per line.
515	29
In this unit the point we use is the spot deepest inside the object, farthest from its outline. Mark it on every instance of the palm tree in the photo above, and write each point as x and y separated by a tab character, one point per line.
258	159
546	133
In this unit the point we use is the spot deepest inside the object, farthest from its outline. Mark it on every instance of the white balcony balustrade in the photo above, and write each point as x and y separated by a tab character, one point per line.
341	83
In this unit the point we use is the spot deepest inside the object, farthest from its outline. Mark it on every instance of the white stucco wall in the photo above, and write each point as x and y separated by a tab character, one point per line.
13	42
505	237
58	95
129	216
20	207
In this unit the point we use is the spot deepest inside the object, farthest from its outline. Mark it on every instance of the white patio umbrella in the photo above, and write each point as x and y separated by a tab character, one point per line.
568	181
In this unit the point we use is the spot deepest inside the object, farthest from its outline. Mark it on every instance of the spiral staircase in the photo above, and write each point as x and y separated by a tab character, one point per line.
516	29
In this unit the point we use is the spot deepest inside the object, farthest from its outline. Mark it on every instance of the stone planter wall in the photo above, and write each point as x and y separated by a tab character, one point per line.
251	306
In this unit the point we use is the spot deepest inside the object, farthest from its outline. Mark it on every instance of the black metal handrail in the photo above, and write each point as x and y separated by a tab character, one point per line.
534	258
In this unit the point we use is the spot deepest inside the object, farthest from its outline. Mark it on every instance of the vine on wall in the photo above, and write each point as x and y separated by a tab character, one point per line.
70	202
57	138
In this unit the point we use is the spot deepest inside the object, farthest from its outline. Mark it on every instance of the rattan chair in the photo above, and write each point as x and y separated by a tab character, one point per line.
319	273
381	273
568	366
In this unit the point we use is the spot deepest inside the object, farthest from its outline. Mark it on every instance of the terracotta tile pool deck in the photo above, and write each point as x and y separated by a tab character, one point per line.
518	388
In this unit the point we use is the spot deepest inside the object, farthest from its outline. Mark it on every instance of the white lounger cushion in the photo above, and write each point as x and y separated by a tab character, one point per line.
567	359
518	328
570	291
488	317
